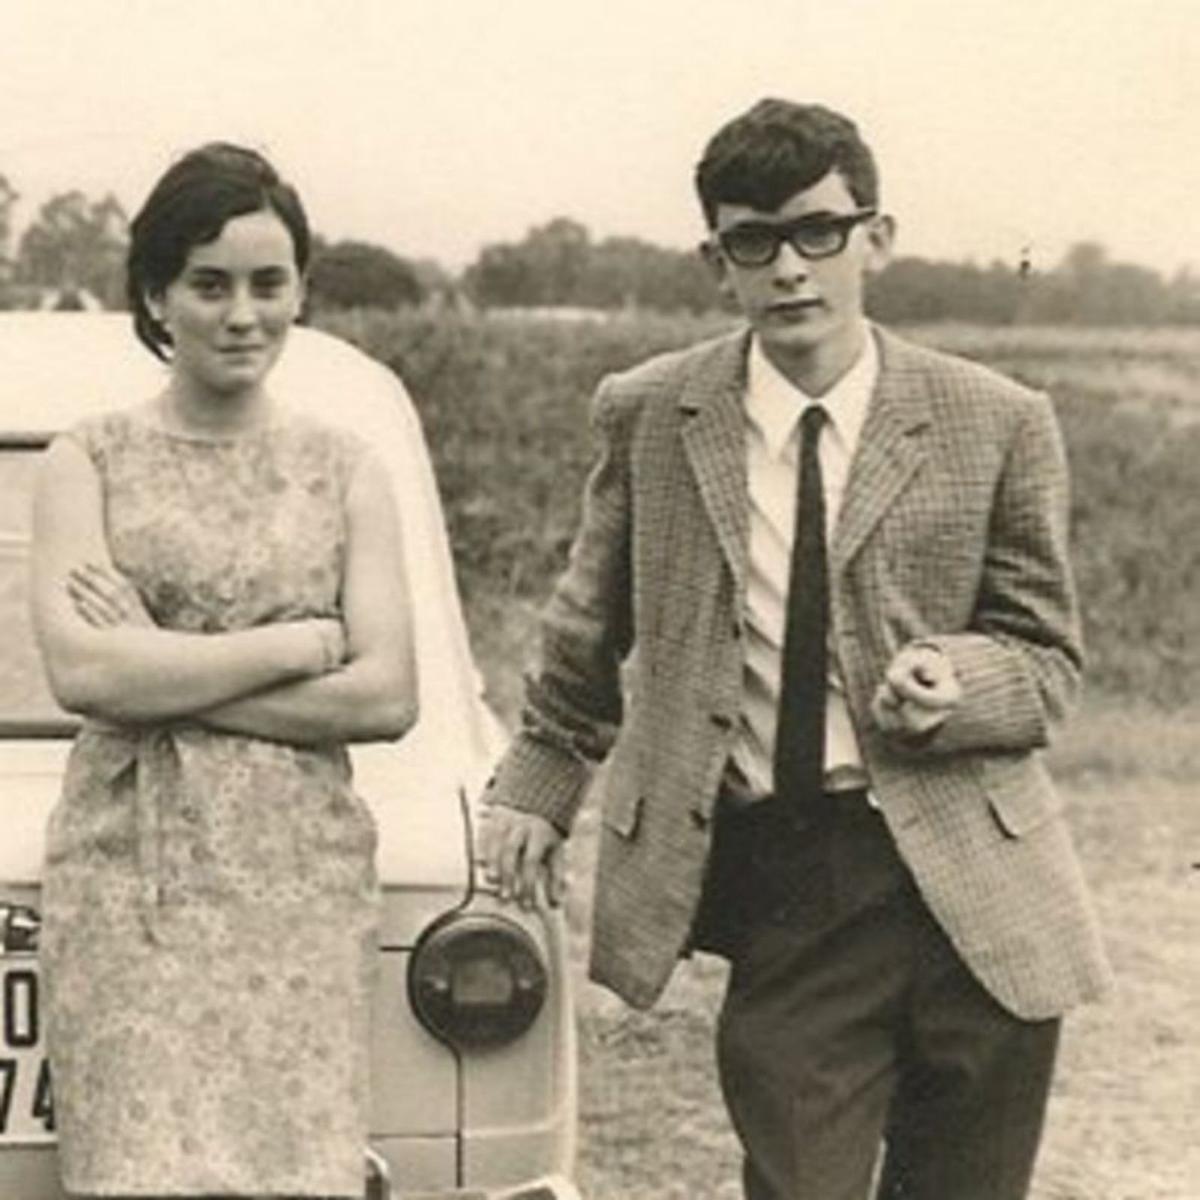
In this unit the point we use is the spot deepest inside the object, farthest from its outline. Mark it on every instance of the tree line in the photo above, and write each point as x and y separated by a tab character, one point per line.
73	253
558	264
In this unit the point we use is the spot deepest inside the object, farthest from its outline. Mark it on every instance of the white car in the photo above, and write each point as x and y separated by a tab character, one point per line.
473	1050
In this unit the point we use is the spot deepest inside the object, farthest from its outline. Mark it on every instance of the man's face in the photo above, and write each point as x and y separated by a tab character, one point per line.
804	308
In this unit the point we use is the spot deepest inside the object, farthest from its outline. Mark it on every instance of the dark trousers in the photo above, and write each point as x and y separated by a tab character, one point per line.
851	1022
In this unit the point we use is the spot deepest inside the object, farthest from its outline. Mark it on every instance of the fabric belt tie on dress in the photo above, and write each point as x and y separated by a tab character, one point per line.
154	756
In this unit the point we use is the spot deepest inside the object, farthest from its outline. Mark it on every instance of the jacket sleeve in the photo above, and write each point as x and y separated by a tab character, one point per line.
573	699
1020	660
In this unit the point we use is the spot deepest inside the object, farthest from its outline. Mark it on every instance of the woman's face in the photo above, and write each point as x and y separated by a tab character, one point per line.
229	310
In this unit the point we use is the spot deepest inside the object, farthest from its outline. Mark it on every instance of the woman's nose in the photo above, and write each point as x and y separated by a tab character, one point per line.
241	312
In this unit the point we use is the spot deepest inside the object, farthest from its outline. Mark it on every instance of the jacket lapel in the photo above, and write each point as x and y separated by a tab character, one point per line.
714	438
890	448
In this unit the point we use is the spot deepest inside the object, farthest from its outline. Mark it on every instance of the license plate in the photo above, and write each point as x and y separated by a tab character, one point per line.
26	1104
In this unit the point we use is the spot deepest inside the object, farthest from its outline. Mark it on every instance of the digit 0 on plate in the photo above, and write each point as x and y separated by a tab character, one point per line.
26	1104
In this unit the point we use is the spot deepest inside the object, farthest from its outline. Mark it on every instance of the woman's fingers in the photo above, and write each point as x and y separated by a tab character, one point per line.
93	614
111	599
95	597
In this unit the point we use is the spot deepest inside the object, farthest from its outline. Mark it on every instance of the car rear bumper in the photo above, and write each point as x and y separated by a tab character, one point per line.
31	1173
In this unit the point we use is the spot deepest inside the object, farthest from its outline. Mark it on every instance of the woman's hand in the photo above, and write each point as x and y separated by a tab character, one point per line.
105	599
331	644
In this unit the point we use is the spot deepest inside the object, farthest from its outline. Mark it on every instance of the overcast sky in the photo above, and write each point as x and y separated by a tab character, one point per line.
436	126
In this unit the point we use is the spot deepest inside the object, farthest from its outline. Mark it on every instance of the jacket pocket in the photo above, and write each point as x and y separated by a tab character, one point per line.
1019	793
622	811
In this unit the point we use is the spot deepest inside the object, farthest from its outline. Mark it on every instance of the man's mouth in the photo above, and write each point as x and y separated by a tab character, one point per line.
793	308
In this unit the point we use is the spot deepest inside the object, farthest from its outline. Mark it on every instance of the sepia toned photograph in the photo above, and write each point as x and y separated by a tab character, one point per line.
598	600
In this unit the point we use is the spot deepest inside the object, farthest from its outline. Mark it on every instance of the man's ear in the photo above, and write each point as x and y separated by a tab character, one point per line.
881	237
718	265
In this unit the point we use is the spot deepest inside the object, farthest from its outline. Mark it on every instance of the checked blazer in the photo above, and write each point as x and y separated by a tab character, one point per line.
952	530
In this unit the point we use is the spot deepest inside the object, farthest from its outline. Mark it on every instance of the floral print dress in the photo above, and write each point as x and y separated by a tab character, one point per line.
210	898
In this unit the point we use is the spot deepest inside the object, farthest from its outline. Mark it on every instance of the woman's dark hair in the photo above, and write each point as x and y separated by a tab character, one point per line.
778	148
188	207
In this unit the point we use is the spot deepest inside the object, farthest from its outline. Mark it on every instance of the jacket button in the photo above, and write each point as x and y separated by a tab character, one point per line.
699	820
721	721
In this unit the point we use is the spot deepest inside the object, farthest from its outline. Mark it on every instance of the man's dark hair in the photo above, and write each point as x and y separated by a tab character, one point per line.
188	207
778	148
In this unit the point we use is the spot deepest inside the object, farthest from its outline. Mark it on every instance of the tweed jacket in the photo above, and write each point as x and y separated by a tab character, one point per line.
952	529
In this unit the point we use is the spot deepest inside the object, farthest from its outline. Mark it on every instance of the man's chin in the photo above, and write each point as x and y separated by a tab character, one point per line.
795	334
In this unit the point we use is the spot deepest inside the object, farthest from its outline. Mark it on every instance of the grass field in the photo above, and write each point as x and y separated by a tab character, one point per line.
504	407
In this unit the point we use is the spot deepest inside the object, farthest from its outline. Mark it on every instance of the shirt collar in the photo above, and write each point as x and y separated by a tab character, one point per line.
774	403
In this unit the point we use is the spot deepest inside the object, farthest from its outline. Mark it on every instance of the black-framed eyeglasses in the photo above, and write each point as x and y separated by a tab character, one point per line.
757	243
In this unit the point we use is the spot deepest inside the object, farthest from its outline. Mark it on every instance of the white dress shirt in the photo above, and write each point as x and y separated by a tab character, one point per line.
773	406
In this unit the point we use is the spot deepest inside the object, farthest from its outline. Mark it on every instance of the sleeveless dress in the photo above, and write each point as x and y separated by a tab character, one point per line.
209	899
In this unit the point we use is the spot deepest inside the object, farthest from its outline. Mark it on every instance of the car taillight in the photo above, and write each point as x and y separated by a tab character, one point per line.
477	980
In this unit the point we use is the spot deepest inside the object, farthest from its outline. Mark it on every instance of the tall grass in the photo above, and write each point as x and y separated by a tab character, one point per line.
504	405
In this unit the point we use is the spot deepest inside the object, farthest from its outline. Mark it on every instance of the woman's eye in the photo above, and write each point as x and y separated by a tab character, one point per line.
269	286
208	288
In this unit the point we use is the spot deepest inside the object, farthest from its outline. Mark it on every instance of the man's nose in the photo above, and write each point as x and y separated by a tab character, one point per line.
789	265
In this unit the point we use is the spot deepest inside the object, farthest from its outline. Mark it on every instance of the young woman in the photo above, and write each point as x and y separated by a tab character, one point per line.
219	590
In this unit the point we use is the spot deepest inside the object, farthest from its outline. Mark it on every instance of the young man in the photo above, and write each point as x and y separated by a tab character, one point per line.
838	566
